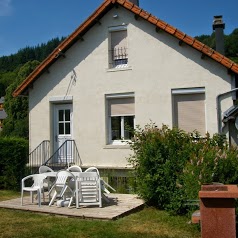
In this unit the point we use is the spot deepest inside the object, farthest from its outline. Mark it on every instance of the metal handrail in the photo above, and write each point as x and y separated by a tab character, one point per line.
40	154
67	154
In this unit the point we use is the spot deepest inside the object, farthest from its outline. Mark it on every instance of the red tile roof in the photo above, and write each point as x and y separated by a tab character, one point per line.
99	13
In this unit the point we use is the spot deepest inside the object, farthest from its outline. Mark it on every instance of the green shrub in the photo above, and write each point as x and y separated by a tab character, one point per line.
14	155
159	158
170	165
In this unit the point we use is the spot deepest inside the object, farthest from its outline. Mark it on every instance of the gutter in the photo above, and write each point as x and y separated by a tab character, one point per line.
218	102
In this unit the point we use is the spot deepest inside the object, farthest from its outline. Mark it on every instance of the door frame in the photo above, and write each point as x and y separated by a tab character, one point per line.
55	133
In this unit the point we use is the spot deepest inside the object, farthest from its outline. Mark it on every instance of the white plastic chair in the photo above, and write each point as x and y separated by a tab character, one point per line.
103	183
64	186
48	182
74	168
88	189
92	169
37	186
45	169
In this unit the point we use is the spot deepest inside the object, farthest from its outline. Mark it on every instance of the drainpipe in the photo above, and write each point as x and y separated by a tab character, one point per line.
218	101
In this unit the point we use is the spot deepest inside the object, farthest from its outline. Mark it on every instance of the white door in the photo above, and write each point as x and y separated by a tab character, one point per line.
63	116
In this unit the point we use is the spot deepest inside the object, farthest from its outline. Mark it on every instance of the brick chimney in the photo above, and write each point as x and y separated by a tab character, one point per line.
219	26
136	2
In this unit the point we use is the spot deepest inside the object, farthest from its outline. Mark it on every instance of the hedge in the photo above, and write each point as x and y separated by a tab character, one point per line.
13	159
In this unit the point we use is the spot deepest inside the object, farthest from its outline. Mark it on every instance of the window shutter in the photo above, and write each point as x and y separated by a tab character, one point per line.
189	112
119	44
121	106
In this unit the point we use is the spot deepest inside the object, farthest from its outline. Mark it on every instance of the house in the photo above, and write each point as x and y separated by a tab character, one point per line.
124	67
3	114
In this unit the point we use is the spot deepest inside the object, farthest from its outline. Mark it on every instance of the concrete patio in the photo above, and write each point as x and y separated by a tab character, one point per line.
119	206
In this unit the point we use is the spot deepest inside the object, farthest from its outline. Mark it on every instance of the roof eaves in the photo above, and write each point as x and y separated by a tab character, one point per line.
62	47
204	49
101	10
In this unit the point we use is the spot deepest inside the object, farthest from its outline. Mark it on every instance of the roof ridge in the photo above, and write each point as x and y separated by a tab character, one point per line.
139	12
206	50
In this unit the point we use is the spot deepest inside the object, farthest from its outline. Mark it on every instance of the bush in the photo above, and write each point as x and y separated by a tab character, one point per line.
159	158
14	156
170	165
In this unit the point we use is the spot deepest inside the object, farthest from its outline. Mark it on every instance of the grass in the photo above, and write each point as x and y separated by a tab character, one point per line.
149	222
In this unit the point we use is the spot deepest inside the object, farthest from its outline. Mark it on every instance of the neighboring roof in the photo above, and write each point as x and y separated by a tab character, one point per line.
1	100
3	114
99	13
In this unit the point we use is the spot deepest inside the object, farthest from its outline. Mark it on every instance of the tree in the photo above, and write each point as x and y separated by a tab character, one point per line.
16	123
5	80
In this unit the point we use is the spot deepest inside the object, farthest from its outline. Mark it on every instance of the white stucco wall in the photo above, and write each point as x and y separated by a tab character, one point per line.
157	64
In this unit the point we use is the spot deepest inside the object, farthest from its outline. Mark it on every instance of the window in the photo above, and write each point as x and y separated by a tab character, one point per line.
118	55
64	122
121	117
189	109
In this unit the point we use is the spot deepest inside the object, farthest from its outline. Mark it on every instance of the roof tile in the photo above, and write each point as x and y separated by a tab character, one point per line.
226	62
217	56
235	68
170	29
188	39
144	14
136	9
198	45
207	50
161	24
128	5
179	34
153	19
121	1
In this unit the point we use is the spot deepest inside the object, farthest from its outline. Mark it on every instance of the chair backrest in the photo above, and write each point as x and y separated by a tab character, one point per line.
88	176
63	176
92	169
44	169
89	189
38	180
74	168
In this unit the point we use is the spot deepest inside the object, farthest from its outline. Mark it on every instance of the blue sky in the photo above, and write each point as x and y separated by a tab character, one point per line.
32	22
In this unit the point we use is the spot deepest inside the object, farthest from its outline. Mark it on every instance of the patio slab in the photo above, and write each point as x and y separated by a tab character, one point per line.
119	206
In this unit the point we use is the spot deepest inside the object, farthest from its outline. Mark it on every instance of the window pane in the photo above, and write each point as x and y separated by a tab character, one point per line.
116	128
128	127
61	128
67	128
67	115
61	115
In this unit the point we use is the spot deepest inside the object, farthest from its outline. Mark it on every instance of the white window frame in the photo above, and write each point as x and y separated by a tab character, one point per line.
109	122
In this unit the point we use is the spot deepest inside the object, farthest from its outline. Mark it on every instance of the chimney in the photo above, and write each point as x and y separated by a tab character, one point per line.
218	26
136	2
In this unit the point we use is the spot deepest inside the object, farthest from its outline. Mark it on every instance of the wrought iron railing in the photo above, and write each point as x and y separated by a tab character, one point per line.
119	56
39	155
67	154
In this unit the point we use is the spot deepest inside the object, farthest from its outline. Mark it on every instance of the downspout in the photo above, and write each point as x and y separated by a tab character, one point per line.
218	101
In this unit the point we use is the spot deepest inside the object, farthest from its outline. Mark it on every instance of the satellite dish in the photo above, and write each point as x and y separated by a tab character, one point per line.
236	122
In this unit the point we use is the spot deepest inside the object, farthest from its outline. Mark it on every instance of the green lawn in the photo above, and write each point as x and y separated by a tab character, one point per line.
149	222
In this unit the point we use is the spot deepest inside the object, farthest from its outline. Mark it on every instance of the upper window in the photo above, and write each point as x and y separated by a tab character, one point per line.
121	117
189	109
118	50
